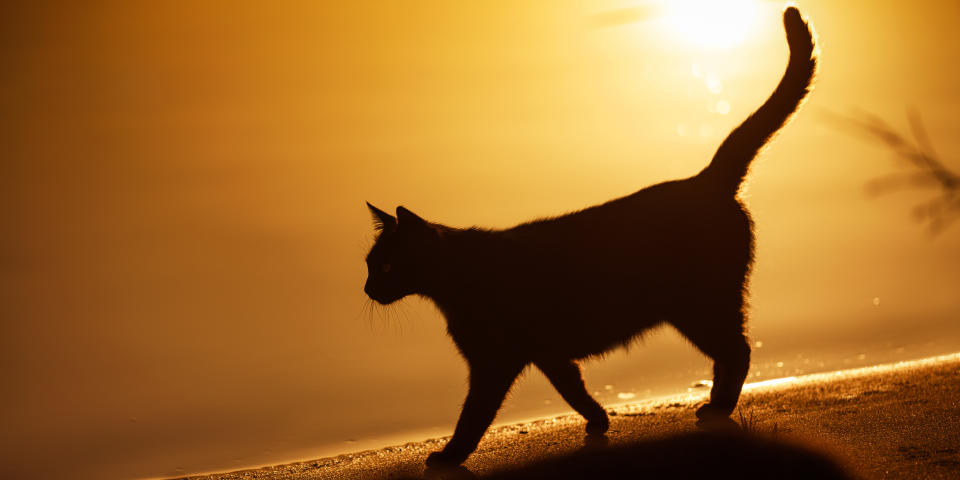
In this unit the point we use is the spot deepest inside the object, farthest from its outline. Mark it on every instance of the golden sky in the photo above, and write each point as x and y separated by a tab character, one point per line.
184	188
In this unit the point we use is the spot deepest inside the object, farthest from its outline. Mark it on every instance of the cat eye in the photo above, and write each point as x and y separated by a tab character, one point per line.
386	267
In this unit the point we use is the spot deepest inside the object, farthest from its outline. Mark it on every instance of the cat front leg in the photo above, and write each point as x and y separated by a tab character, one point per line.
489	385
566	377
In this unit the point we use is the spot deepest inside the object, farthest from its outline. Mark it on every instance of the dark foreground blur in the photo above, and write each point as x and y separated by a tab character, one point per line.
699	455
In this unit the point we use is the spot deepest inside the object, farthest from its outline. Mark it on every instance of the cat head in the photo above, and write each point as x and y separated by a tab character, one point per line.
399	261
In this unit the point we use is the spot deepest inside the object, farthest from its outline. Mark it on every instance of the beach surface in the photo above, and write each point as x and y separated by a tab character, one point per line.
888	421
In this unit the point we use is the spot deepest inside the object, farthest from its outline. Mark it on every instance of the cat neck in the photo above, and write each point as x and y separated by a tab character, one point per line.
460	271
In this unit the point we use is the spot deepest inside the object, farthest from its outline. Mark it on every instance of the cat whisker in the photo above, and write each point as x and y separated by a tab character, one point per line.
369	308
364	309
381	315
404	309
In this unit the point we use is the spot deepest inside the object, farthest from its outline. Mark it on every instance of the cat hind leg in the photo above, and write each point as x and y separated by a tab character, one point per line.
566	377
729	372
730	352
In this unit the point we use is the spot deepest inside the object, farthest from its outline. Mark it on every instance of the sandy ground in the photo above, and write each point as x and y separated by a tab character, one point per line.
888	421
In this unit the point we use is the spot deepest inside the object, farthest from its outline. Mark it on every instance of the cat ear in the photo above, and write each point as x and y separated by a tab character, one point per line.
382	220
409	218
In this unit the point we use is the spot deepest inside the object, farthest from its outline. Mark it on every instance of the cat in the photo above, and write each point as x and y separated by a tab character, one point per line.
554	291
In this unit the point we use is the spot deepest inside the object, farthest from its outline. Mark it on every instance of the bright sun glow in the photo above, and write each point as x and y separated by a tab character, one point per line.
712	23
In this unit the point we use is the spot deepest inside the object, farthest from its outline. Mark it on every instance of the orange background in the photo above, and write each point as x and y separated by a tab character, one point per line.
184	183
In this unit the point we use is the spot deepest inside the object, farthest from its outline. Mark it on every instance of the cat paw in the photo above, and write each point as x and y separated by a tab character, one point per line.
598	426
711	417
444	459
709	411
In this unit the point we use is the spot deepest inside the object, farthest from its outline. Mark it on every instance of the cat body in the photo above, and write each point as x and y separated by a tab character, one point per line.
554	291
584	283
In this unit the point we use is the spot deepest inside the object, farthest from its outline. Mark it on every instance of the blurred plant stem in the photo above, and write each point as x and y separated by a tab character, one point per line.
924	168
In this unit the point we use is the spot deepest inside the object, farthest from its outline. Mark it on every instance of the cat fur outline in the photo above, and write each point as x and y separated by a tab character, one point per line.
554	291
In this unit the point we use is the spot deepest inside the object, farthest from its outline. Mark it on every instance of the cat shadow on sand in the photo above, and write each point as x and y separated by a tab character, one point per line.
699	455
554	291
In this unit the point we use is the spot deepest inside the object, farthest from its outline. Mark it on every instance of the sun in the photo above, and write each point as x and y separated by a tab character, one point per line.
711	23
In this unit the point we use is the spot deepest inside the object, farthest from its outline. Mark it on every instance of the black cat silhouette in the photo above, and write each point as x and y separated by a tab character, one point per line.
553	291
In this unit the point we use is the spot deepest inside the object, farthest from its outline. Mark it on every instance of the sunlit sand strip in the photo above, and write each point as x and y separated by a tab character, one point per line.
883	368
690	397
693	396
768	383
